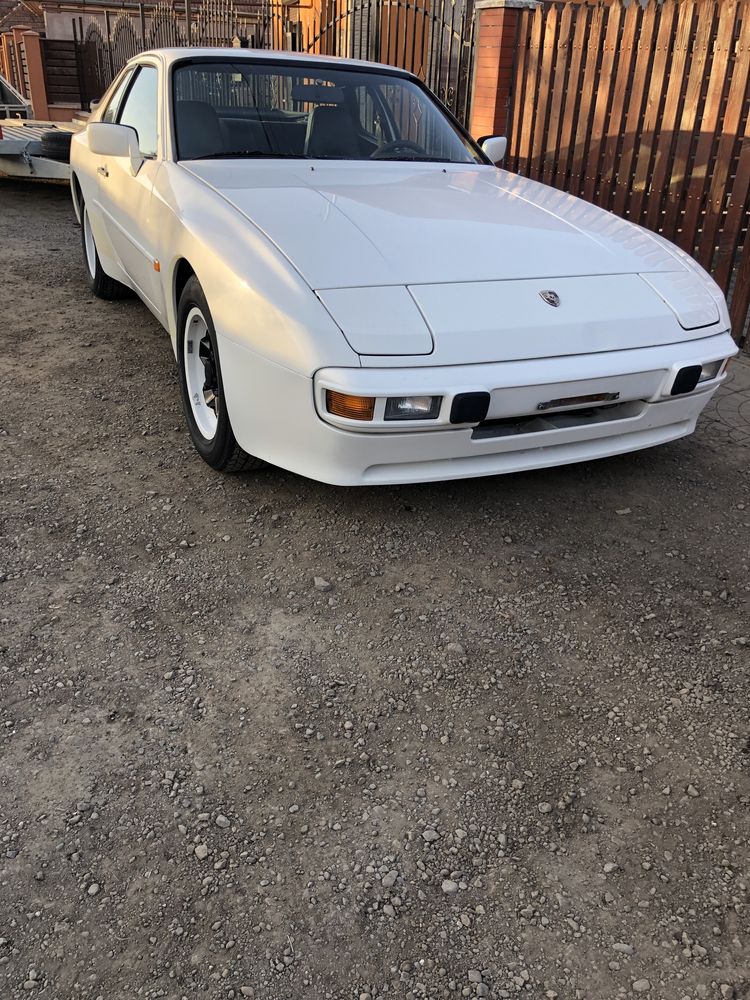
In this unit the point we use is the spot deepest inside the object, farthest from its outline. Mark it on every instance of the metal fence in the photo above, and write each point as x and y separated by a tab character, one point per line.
645	111
432	38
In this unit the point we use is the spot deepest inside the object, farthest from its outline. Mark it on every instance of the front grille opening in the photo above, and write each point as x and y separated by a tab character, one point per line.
565	419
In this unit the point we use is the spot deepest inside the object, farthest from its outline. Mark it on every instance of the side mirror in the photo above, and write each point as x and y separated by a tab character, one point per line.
494	147
115	140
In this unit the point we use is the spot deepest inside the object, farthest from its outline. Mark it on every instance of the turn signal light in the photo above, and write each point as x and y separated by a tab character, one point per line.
341	404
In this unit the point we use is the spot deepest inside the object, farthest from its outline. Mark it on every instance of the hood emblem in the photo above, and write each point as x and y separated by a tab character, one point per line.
550	297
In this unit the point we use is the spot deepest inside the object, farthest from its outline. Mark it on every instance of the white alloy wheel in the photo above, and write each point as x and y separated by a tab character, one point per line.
201	373
89	245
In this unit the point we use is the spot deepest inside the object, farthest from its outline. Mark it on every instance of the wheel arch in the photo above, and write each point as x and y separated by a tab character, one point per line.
77	196
182	272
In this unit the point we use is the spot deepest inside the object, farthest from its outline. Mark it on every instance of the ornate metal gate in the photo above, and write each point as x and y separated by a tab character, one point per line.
94	74
125	42
432	38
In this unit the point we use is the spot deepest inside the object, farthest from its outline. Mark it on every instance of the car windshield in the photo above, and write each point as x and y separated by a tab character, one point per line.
238	108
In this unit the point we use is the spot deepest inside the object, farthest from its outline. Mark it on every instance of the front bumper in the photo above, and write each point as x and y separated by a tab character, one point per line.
303	441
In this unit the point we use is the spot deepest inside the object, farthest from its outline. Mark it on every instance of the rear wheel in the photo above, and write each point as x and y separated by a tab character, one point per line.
202	387
100	283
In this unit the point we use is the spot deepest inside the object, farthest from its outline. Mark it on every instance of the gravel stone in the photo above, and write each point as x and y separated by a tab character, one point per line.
380	749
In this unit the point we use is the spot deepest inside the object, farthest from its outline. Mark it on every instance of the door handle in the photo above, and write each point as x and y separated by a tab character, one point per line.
103	171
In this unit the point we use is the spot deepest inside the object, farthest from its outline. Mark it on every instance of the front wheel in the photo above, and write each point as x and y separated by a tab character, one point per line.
202	387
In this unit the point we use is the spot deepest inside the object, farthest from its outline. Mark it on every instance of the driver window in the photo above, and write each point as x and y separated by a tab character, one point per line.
416	119
116	99
140	109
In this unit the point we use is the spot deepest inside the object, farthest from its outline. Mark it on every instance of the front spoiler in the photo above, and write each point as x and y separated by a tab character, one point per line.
274	416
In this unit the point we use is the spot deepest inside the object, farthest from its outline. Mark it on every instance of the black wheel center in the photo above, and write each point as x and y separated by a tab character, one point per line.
211	381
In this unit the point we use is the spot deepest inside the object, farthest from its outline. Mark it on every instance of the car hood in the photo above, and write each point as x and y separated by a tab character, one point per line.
347	225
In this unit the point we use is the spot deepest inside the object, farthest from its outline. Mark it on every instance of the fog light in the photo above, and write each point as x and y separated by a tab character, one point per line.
470	407
412	407
710	371
686	380
341	404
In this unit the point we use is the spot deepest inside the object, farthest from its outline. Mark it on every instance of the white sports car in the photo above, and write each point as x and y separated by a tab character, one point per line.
356	292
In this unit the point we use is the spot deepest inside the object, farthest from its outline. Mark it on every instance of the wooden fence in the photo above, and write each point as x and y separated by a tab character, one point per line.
60	63
644	111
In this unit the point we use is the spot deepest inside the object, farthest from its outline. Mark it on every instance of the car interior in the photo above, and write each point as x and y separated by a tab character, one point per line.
323	131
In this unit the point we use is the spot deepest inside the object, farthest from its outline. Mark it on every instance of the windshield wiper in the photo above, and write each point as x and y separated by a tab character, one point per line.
413	159
248	154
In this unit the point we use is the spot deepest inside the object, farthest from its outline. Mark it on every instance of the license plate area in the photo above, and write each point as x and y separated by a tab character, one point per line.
518	401
591	399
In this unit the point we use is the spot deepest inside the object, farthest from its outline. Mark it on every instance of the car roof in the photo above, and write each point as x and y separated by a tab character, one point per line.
172	55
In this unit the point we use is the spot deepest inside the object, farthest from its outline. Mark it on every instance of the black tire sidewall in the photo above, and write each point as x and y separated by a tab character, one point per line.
99	282
93	279
55	145
216	451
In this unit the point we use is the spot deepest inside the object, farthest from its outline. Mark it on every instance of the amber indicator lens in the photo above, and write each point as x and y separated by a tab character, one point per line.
341	404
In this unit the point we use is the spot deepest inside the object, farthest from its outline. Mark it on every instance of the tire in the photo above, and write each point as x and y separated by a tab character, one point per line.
202	387
55	145
100	283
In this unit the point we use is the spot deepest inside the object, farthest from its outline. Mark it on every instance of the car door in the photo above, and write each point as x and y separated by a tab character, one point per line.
126	199
93	167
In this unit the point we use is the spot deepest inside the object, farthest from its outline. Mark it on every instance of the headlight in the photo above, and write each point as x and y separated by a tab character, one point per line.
412	407
710	371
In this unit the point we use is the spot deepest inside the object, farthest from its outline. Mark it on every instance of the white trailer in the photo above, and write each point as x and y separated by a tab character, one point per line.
35	150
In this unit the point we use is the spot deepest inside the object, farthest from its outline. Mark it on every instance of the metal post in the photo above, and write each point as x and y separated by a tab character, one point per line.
109	46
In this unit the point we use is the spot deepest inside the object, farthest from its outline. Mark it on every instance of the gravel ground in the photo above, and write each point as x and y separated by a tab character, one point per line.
266	738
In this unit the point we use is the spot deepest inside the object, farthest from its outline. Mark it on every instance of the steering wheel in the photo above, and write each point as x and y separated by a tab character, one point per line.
390	147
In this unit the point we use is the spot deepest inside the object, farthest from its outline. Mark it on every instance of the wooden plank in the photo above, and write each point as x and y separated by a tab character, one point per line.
622	85
519	104
546	74
601	104
641	122
552	143
583	125
721	188
546	71
736	216
573	92
741	298
532	91
688	120
702	164
666	135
